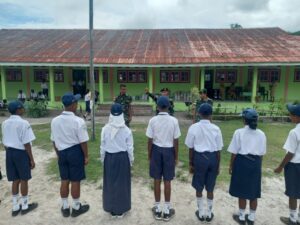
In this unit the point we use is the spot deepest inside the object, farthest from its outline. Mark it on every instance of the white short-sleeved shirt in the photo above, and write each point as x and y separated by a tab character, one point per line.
88	97
16	132
292	144
163	129
44	86
122	142
204	136
68	130
248	141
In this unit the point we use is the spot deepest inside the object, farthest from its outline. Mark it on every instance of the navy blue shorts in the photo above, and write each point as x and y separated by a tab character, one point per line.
246	177
71	164
292	181
162	163
17	165
205	171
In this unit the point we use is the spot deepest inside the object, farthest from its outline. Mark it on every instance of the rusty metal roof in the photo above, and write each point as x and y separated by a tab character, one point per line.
150	47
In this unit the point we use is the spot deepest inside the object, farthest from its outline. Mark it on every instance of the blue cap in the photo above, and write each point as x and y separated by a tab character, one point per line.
68	99
294	109
205	109
14	106
249	114
116	109
163	102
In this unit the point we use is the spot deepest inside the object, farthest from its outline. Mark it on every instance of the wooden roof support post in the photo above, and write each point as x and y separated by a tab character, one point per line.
150	82
254	85
51	84
202	78
3	82
101	91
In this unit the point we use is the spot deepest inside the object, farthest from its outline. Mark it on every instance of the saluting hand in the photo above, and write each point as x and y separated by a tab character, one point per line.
32	164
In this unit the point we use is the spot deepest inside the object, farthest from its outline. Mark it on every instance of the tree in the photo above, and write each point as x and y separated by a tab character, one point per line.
235	26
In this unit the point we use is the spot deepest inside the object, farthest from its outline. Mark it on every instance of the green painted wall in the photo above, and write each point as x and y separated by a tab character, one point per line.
137	89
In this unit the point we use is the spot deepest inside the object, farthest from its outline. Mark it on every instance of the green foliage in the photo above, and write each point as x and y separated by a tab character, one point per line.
36	109
194	93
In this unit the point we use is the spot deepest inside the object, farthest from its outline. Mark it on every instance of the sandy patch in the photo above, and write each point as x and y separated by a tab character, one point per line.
45	191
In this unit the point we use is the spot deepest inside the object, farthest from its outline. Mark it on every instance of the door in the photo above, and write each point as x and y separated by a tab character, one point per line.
79	82
209	82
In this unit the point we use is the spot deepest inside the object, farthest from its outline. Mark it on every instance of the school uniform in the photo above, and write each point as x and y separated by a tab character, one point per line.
16	132
206	140
67	132
249	146
292	169
163	129
87	99
116	152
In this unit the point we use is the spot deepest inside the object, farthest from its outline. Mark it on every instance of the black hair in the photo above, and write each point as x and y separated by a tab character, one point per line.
122	85
252	123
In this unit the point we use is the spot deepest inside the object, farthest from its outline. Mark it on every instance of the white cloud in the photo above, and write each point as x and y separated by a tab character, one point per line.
122	14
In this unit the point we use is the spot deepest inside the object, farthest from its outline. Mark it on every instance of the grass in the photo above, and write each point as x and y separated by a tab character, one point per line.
276	134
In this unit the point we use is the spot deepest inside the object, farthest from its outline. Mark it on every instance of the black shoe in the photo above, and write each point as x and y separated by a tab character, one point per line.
82	209
249	222
236	218
202	219
209	219
31	207
157	215
170	215
287	221
15	213
65	212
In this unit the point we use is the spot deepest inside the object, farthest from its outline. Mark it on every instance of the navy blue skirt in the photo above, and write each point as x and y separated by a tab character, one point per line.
246	177
116	183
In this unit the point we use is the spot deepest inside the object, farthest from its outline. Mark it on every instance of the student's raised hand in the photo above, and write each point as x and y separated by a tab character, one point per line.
278	170
86	161
32	164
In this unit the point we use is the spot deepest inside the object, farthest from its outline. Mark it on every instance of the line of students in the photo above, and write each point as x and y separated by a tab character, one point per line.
204	140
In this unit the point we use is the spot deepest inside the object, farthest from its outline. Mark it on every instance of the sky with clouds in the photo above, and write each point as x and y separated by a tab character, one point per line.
125	14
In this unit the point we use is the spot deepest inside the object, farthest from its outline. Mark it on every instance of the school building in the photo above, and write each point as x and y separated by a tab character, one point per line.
251	60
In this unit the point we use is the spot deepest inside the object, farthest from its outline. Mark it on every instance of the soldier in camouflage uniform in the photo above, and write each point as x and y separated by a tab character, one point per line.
199	102
125	100
163	92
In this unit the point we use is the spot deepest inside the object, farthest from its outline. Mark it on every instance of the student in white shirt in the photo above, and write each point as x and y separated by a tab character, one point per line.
69	136
247	147
116	151
17	136
163	133
33	95
21	96
204	140
44	87
291	166
87	99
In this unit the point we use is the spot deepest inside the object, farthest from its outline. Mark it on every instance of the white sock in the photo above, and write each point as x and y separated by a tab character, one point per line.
209	207
293	215
15	203
200	204
242	214
157	206
76	203
65	203
24	202
167	207
252	215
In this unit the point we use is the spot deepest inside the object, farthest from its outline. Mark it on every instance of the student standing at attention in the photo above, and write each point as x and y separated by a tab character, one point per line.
291	166
116	152
69	136
163	133
247	147
204	140
17	136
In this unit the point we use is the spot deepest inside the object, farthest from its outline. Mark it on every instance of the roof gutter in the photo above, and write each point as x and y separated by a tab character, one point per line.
149	65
